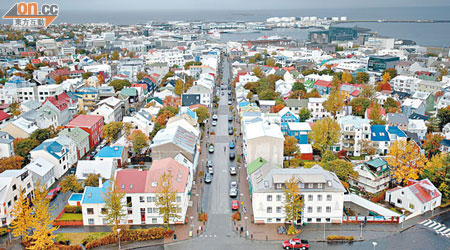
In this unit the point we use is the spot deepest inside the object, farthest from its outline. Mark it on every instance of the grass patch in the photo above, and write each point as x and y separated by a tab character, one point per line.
70	217
78	238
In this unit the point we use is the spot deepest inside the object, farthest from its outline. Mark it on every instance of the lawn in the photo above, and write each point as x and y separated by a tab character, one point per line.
71	217
77	238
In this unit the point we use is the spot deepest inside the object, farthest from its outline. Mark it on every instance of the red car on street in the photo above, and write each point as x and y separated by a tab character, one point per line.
234	204
51	194
295	244
58	188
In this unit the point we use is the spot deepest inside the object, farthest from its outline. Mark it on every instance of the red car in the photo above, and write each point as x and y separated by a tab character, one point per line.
295	244
58	188
234	204
51	194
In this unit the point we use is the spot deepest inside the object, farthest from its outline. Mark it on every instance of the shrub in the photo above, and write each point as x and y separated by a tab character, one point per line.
3	231
292	230
130	235
340	237
61	238
236	216
72	209
203	217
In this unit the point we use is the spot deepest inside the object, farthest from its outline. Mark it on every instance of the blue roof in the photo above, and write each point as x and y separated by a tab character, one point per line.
95	194
189	112
243	104
445	142
379	133
52	147
113	152
396	131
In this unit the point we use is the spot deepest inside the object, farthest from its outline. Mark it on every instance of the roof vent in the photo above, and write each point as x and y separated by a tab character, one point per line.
90	195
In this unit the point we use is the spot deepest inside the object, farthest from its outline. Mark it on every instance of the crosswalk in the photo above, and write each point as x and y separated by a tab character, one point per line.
437	227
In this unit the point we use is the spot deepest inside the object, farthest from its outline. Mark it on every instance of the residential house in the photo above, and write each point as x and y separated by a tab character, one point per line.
132	94
419	127
87	98
188	100
20	128
203	92
93	124
105	167
55	153
287	116
418	197
284	88
11	183
315	105
93	82
299	130
373	175
398	119
4	117
63	106
117	153
354	129
93	202
6	145
42	171
426	97
295	105
443	101
410	106
105	111
430	86
81	139
405	83
117	105
323	87
141	120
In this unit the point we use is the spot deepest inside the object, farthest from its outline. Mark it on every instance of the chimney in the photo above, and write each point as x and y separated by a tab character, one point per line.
100	182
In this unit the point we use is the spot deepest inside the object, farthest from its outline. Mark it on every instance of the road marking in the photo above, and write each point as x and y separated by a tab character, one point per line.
427	222
437	226
446	231
215	236
442	229
433	224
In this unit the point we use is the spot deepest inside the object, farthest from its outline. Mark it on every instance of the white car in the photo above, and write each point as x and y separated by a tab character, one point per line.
214	123
214	117
233	170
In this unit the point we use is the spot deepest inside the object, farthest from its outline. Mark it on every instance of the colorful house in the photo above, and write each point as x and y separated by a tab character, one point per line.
299	130
323	87
93	124
287	116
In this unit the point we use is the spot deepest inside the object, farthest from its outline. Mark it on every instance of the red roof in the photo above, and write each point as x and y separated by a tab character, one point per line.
424	190
140	85
3	115
35	61
28	53
61	101
323	83
355	93
131	180
85	121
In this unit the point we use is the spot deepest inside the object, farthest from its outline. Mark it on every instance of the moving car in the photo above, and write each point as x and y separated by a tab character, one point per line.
233	170
211	148
214	117
233	192
232	155
208	177
214	123
295	244
234	205
230	130
230	118
232	145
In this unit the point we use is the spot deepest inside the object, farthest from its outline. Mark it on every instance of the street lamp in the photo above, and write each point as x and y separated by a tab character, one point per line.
198	205
118	235
324	231
374	245
403	217
245	226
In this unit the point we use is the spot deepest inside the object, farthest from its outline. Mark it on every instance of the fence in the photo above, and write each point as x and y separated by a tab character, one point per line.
371	219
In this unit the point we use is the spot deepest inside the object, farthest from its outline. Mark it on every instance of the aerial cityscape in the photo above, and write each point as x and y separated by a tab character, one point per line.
218	125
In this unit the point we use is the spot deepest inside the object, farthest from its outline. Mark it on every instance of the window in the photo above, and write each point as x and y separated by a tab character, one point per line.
278	219
103	211
149	199
310	185
178	198
130	210
310	197
154	220
309	220
328	219
269	220
130	221
328	197
319	209
319	185
269	197
90	211
399	201
9	203
310	210
91	221
149	210
328	209
15	198
141	199
319	197
278	197
29	185
14	187
155	210
318	220
269	210
105	221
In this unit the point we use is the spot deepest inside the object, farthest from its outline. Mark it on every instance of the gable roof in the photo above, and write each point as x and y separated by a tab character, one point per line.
85	120
60	101
255	165
3	115
52	147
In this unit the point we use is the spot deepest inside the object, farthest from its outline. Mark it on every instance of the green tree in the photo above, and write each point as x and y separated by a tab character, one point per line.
325	133
390	104
70	183
359	106
391	71
444	116
362	77
367	91
140	75
86	75
258	72
327	156
202	114
178	90
343	169
268	94
299	86
293	202
43	134
157	127
304	114
139	141
119	84
111	131
22	147
166	199
92	180
114	205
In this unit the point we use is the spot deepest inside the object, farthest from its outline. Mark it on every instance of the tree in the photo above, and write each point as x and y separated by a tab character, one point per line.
164	117
92	180
276	108
178	90
22	147
189	64
115	55
258	72
14	109
442	72
347	77
334	103
432	144
157	127
202	114
391	105
21	212
12	162
86	75
119	84
268	94
113	205
166	199
70	183
343	169
359	106
270	62
392	73
386	77
140	75
43	134
375	115
444	188
41	220
405	160
444	116
325	133
313	94
188	84
367	91
437	170
112	130
173	101
327	156
139	141
432	124
367	147
304	114
290	145
298	86
293	202
362	77
272	79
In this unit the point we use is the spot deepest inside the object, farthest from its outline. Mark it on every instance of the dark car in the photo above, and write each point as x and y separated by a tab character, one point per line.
230	130
230	118
232	155
232	145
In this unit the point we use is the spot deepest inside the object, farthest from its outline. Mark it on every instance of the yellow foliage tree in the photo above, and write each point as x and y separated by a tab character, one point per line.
293	202
386	77
405	160
334	103
178	90
347	77
325	133
166	199
21	213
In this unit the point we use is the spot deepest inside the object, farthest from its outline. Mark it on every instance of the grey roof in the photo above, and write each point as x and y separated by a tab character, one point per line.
5	138
397	118
301	103
31	104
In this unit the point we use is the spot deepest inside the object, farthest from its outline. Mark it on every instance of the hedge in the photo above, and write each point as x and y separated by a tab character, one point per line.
73	209
130	235
340	237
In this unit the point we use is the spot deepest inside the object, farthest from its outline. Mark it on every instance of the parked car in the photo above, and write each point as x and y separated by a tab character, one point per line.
232	155
58	188
233	192
234	205
230	118
295	244
230	130
208	177
214	123
234	184
211	148
51	194
209	164
233	170
214	117
232	145
229	102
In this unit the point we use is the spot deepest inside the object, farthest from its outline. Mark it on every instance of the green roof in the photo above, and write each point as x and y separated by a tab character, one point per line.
157	99
377	162
76	134
129	92
427	77
255	165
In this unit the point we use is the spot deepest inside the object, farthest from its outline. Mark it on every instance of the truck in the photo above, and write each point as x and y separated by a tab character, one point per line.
295	243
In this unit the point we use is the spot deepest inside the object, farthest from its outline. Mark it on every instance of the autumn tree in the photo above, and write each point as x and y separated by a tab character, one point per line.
367	147
173	101
157	127
111	131
405	160
178	90
21	212
290	145
202	114
166	199
164	117
343	169
442	72
376	115
119	84
70	183
298	86
325	133
115	55
437	170
139	141
443	115
22	147
391	105
359	106
293	202
41	220
362	77
391	72
327	156
347	77
86	75
432	144
12	162
304	114
276	108
92	180
268	94
270	62
313	94
14	109
367	91
386	77
114	205
334	103
140	75
258	72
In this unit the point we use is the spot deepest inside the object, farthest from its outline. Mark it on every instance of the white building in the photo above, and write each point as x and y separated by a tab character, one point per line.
404	83
55	153
419	127
6	145
105	167
373	176
354	129
42	171
315	105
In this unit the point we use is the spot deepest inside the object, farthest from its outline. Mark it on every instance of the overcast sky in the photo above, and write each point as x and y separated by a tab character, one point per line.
99	5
